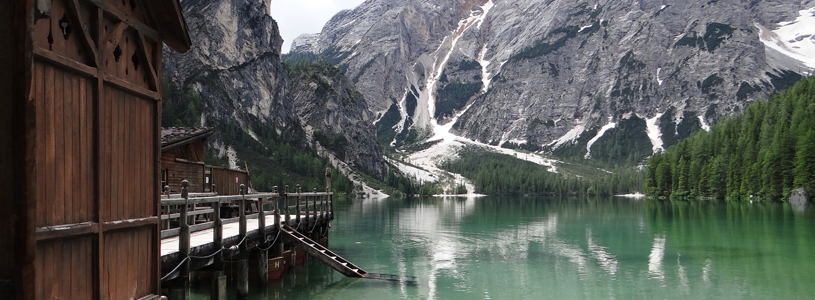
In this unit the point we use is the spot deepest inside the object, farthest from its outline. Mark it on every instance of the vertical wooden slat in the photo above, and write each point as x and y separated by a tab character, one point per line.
107	144
50	152
84	151
68	133
59	149
42	122
116	187
39	290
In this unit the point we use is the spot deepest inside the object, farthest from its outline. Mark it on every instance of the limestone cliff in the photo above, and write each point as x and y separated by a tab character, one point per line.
557	73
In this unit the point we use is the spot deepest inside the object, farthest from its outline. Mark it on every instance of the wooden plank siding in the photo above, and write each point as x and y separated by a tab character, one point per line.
67	117
178	170
95	104
225	180
127	153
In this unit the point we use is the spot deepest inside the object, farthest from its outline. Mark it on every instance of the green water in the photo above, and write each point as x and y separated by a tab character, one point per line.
539	248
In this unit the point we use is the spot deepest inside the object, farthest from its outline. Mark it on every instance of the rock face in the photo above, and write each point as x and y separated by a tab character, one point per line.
800	198
546	73
234	63
235	66
336	115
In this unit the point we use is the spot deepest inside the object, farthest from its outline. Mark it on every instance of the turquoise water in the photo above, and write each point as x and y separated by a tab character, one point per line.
577	248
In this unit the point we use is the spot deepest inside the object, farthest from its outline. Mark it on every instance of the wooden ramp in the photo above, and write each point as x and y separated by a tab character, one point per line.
323	254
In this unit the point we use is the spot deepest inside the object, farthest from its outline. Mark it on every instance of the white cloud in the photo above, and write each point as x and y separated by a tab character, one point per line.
296	17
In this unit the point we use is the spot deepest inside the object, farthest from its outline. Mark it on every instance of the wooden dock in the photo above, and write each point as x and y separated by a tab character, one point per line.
266	225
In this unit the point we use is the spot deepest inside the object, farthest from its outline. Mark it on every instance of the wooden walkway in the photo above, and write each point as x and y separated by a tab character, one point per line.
264	223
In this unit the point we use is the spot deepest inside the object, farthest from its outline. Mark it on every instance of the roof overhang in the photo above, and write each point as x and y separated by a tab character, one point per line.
203	133
171	24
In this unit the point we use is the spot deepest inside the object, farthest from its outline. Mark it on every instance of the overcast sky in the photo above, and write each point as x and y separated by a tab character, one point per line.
296	17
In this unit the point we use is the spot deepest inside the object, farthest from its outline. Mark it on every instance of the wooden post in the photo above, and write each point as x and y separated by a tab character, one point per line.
243	278
243	261
286	205
297	211
308	213
314	204
277	249
218	291
242	208
263	267
328	190
184	235
263	255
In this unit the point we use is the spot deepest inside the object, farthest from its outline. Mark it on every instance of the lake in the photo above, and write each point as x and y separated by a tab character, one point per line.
561	248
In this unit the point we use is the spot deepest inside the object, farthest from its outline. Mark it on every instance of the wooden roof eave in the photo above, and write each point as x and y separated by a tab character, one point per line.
183	142
171	24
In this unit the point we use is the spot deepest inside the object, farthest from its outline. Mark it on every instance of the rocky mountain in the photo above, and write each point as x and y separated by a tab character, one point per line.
335	114
241	87
627	77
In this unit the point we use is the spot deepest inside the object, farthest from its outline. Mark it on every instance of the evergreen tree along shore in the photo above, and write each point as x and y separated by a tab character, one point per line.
763	154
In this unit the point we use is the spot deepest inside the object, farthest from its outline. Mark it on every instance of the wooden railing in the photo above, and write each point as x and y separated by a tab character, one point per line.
291	208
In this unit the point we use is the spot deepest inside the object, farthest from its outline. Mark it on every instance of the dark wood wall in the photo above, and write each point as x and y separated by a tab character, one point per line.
95	91
178	170
7	58
224	181
16	186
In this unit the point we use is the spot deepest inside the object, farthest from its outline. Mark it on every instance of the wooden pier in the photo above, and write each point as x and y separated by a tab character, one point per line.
266	225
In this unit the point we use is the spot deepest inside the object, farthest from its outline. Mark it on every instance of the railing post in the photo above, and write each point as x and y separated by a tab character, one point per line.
242	208
314	206
243	262
166	209
286	205
218	291
298	205
184	236
328	190
277	250
308	213
263	255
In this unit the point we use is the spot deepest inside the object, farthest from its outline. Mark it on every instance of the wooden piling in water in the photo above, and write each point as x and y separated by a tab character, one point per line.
263	252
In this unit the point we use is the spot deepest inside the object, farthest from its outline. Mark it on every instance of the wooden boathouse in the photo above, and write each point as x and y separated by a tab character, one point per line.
81	153
182	158
81	79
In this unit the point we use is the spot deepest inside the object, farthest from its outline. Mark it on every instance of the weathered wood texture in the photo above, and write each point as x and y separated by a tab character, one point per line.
179	170
96	110
193	151
227	182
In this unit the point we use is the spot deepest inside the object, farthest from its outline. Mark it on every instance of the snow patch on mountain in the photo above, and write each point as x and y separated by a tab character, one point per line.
652	129
659	70
705	125
485	74
597	137
795	39
569	137
428	95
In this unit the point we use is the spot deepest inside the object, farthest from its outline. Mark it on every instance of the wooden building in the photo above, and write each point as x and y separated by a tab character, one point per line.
182	158
80	128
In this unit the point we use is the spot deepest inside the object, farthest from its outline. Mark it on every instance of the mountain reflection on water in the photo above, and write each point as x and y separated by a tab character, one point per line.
563	248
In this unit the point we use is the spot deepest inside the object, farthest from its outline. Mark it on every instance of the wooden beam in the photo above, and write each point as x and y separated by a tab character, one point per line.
66	231
132	88
73	7
65	63
117	13
151	72
112	38
123	224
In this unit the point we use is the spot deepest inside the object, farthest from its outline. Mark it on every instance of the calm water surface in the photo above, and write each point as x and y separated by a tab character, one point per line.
575	248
